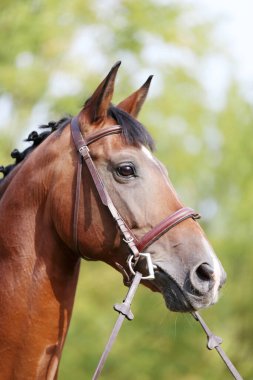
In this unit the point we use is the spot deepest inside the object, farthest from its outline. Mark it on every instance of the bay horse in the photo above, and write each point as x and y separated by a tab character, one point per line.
44	235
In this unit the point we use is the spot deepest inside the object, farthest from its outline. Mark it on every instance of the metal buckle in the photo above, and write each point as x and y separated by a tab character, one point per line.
84	151
151	275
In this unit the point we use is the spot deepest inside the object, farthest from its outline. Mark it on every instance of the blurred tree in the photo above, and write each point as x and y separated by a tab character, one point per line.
53	53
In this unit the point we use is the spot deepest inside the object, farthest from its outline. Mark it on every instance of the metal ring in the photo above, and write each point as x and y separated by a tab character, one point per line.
129	240
151	275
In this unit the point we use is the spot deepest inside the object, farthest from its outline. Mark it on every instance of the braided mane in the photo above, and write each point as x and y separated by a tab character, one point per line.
36	139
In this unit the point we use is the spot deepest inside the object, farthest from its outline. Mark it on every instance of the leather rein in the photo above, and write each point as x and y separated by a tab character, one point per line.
136	246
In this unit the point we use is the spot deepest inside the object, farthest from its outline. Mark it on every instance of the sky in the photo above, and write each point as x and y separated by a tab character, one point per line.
235	30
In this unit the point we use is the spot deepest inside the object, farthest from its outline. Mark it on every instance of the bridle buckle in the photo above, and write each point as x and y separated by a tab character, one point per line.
150	265
84	151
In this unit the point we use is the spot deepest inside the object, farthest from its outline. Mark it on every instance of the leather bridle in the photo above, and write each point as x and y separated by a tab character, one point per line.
136	246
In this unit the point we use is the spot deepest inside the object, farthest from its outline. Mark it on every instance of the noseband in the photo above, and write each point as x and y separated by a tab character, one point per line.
136	246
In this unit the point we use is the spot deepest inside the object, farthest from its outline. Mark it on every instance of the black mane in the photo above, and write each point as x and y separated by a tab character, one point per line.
36	139
133	131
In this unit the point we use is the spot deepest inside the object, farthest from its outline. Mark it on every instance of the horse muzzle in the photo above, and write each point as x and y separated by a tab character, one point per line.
189	291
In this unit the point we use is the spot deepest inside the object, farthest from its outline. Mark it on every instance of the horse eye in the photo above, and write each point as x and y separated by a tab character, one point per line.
126	170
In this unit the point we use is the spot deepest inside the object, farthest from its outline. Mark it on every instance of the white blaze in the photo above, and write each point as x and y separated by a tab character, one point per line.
216	268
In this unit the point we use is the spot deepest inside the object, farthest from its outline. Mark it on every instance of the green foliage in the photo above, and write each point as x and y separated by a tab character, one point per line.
208	153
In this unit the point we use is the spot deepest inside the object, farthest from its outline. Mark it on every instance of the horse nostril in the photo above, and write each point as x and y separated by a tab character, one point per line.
202	278
205	272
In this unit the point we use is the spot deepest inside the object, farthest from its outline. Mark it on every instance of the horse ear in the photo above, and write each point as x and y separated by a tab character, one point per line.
95	108
134	102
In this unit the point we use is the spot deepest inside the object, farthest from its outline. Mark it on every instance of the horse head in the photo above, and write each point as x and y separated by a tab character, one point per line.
187	272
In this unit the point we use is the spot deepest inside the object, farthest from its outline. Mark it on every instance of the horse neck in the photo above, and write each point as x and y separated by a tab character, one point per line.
38	276
4	182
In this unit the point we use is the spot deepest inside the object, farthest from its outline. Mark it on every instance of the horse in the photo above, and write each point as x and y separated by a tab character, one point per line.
51	217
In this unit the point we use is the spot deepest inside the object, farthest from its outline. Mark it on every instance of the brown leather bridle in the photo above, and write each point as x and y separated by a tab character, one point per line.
136	246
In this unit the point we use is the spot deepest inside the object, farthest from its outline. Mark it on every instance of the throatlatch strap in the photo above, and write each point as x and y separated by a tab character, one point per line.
77	202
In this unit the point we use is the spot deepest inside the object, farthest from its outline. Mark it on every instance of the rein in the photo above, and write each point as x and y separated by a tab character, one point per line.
136	246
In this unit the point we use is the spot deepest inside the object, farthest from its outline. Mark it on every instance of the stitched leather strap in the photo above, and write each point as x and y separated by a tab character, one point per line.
165	225
77	202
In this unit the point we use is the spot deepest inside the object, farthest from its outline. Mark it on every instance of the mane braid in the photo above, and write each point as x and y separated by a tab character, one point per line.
133	131
36	139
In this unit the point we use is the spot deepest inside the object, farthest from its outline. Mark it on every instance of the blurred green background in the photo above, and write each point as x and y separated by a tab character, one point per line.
53	54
